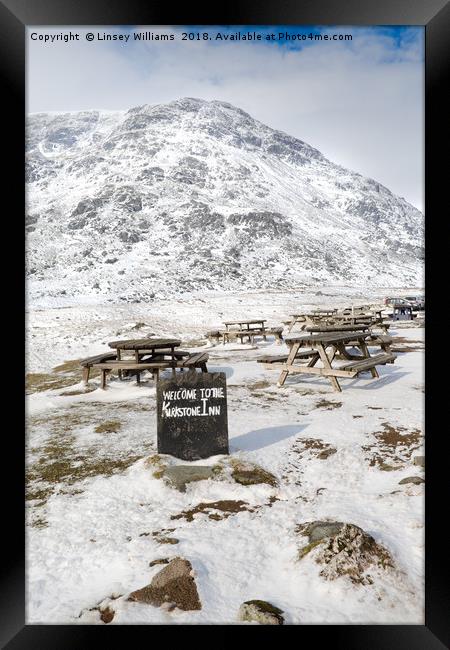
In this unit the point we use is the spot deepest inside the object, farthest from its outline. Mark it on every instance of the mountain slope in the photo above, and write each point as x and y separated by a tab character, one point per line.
195	195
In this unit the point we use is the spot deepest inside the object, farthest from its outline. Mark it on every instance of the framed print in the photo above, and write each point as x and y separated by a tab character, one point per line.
225	262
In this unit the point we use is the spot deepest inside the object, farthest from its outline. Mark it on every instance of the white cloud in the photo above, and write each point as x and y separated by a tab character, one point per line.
361	102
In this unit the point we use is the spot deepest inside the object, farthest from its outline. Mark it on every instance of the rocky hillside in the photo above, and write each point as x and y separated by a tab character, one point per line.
193	195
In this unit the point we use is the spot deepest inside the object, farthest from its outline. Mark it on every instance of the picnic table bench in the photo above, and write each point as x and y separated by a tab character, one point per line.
193	361
280	358
338	327
325	347
88	362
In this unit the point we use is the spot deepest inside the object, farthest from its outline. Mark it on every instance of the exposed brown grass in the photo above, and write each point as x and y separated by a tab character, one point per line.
59	462
110	426
327	404
38	382
393	447
62	376
316	446
226	507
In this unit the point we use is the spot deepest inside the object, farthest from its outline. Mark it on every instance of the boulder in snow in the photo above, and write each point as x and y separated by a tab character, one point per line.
343	550
174	585
416	480
260	611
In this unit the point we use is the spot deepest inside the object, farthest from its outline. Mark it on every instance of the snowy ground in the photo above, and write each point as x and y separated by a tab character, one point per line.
93	503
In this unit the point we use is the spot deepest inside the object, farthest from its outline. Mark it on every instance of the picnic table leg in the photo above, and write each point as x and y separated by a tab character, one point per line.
365	350
327	365
333	353
174	361
289	362
138	376
119	358
86	371
103	380
346	355
314	359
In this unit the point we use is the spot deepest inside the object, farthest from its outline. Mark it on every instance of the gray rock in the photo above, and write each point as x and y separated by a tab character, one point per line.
267	224
343	550
139	325
154	174
128	200
416	480
419	460
162	560
88	205
180	475
321	529
191	171
77	224
247	473
260	611
129	236
173	585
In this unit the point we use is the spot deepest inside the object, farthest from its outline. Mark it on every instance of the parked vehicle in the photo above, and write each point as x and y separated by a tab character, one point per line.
417	302
396	301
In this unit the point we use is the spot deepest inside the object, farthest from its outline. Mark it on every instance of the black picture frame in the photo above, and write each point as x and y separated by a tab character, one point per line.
434	15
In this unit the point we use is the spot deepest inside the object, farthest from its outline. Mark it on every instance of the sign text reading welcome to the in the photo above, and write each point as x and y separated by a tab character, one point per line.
201	395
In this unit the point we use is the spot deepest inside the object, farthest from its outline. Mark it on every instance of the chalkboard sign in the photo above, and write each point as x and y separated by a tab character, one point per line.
192	415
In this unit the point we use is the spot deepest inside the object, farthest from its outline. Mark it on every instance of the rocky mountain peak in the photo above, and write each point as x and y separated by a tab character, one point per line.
196	195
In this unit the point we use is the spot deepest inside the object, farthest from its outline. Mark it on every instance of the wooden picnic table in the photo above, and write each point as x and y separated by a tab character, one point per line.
149	347
371	320
150	354
335	321
325	346
306	319
245	329
141	347
324	312
246	324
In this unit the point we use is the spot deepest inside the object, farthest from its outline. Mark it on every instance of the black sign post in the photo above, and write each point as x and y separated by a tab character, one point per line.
192	415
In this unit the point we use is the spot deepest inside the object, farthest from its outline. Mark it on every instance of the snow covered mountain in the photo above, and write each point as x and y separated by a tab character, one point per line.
194	195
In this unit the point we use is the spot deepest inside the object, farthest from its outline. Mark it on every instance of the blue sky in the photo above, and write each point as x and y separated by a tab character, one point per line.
360	102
